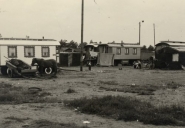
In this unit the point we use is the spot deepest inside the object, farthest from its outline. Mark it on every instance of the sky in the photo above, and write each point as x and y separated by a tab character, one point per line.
104	20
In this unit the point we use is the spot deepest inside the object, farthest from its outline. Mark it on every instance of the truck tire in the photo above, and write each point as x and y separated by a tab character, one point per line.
4	70
10	73
48	70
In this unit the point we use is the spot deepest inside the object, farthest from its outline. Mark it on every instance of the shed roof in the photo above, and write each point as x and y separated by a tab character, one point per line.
22	41
93	45
180	49
128	45
110	45
132	46
172	43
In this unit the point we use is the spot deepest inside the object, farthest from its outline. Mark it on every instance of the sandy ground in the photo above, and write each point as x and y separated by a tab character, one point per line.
86	84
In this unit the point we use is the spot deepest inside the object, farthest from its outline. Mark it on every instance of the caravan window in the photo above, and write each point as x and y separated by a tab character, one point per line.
106	50
118	51
126	51
45	51
134	51
29	51
12	51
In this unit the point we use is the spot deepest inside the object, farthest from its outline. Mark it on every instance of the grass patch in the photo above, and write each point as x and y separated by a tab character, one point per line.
140	89
49	124
82	83
16	119
108	82
129	109
173	85
10	94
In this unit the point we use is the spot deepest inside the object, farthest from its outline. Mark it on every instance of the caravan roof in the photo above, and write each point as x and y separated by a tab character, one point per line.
23	41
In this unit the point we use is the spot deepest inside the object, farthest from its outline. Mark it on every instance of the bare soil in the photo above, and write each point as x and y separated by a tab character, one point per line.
98	82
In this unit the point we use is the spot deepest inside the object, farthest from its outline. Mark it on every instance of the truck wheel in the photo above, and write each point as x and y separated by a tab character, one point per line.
48	70
10	73
4	70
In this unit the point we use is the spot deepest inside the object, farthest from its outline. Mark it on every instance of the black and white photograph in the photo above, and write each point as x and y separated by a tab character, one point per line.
92	63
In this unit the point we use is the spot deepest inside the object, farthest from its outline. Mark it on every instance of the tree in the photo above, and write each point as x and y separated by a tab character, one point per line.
73	44
150	48
91	42
83	44
63	43
144	48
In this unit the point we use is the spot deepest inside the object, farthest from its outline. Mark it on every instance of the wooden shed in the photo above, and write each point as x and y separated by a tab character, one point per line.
170	51
69	58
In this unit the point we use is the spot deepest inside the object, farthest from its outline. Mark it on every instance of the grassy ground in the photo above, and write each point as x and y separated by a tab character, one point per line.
145	96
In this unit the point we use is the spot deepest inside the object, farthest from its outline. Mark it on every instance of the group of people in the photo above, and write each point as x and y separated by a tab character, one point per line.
150	64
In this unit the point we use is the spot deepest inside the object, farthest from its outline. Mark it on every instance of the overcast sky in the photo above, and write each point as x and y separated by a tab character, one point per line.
104	20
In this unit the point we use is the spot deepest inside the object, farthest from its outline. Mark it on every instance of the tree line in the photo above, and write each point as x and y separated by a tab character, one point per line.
74	44
150	48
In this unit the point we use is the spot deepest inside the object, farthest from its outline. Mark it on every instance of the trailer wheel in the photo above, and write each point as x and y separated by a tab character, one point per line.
4	70
10	73
48	70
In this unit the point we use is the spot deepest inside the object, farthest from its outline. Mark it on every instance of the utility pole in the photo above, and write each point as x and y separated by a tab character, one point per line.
82	25
154	34
139	32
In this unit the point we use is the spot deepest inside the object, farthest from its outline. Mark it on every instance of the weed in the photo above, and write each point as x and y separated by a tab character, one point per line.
70	91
